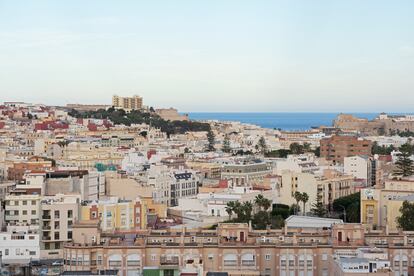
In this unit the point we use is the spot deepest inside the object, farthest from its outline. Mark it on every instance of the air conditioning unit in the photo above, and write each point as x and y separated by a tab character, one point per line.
281	238
209	240
170	240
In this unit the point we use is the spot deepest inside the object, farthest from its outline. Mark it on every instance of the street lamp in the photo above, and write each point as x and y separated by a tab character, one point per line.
344	212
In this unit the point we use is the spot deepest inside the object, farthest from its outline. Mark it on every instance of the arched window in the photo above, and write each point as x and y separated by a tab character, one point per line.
248	259
115	261
230	260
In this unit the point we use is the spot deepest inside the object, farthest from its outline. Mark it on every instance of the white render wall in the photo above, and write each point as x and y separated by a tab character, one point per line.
19	248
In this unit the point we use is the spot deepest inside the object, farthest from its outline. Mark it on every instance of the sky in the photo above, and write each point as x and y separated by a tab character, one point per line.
211	56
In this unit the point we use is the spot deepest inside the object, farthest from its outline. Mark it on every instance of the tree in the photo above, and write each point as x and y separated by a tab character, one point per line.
247	209
261	220
305	199
261	145
262	202
406	220
230	208
351	203
318	208
404	164
296	148
298	197
278	222
211	141
226	144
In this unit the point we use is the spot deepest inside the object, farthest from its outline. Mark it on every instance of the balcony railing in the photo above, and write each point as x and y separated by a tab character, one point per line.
46	217
133	263
248	263
230	263
169	261
115	263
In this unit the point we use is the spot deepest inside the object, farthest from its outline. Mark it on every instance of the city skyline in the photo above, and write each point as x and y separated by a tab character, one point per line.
324	56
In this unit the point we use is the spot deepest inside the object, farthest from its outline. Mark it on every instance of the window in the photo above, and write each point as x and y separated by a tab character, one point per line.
99	259
69	235
324	257
70	213
267	257
153	257
33	202
24	212
169	272
32	253
33	212
56	235
6	252
57	214
24	202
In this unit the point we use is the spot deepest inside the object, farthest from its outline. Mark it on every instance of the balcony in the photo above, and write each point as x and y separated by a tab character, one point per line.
171	261
46	217
230	263
46	238
248	263
133	263
46	228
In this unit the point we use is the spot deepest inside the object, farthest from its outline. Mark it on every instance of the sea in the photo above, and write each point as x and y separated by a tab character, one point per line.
277	120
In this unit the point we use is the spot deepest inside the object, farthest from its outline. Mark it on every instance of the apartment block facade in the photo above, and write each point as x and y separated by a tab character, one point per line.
238	250
336	148
127	103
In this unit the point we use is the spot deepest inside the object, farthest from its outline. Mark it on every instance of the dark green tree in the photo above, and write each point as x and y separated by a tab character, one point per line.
318	208
261	220
211	141
298	198
261	145
404	164
406	220
351	203
226	144
304	199
296	148
262	202
278	222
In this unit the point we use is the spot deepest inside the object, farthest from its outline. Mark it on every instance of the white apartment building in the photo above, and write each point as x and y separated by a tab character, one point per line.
22	209
184	185
360	167
19	247
160	178
306	163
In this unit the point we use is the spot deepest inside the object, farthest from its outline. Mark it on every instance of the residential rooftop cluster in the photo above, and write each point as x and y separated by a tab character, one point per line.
127	189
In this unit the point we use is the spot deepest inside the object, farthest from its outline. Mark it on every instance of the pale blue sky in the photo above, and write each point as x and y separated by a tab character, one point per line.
223	55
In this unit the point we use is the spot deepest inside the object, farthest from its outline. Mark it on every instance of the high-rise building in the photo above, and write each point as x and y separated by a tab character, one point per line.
127	103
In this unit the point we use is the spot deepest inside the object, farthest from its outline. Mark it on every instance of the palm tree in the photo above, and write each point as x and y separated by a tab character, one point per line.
262	202
247	209
305	199
230	208
266	203
298	197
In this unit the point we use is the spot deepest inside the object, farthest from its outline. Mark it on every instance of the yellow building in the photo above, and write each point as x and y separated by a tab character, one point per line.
118	215
381	207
